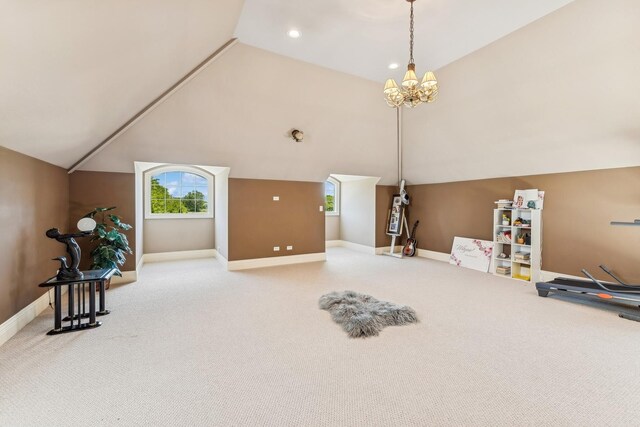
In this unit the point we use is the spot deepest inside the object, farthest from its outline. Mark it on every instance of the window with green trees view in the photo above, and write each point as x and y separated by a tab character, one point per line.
331	196
178	193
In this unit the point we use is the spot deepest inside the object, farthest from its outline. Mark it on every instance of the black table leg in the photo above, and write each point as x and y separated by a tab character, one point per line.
103	309
57	292
92	303
84	300
80	298
71	296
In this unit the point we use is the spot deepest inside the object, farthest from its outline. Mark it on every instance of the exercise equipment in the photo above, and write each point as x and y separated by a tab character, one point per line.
620	291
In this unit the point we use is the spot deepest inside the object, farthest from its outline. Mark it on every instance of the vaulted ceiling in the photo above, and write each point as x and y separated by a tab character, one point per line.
74	71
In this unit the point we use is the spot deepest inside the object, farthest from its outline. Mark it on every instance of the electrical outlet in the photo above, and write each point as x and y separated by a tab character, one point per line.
321	208
289	248
276	198
276	248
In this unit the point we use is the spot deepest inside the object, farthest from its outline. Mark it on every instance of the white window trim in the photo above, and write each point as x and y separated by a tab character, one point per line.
336	202
193	215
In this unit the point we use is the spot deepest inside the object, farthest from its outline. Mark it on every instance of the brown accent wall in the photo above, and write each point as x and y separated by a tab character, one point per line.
577	210
257	223
384	195
89	190
34	196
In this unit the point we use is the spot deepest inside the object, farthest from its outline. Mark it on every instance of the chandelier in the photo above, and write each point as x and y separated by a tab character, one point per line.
411	93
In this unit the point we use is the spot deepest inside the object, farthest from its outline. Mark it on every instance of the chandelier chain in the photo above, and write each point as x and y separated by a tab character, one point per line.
411	37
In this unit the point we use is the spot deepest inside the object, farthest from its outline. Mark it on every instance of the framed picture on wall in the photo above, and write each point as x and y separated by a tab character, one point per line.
396	215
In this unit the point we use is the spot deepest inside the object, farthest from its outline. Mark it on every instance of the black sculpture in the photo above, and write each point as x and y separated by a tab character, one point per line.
66	271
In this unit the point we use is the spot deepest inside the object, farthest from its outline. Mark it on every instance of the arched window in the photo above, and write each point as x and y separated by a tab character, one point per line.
178	192
332	196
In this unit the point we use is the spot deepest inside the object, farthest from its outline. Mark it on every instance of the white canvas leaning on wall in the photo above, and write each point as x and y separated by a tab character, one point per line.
471	253
522	198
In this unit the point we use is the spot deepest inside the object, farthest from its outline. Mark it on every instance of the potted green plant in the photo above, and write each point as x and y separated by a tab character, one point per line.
112	243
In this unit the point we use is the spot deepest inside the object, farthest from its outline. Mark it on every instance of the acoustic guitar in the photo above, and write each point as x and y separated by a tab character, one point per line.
410	247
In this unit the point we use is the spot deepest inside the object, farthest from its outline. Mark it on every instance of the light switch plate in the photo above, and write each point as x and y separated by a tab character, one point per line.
321	208
276	248
276	198
289	248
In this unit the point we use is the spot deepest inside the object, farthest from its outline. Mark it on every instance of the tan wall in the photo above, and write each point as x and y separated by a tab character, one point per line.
34	196
384	195
257	223
175	235
577	210
89	190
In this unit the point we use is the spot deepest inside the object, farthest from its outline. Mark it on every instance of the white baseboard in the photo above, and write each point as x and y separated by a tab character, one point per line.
23	317
174	256
438	256
545	276
333	243
246	264
422	253
387	249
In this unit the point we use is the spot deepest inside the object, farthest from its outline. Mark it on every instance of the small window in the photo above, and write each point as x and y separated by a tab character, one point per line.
179	193
332	196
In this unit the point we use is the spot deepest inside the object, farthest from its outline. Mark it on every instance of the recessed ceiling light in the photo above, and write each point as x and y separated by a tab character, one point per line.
393	66
294	34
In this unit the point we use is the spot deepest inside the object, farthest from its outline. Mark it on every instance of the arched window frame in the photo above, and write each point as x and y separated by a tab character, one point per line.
188	169
336	202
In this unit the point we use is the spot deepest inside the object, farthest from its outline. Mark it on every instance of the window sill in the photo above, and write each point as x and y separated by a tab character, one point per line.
179	216
332	213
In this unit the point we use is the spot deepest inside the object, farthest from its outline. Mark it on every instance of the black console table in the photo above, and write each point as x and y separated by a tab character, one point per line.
93	278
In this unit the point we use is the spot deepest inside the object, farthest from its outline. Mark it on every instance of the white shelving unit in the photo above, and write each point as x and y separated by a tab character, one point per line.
523	258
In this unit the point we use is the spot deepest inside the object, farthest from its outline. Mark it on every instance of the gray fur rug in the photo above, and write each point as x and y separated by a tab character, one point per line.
364	316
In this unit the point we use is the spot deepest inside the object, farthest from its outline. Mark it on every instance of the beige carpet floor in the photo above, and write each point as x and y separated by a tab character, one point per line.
192	344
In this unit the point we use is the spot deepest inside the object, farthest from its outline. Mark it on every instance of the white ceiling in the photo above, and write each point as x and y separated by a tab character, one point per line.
362	37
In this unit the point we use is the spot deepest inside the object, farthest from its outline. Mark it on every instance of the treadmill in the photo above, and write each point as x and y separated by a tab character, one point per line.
620	292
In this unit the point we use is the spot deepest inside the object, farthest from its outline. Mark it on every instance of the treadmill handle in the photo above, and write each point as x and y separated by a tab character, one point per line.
622	283
596	281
